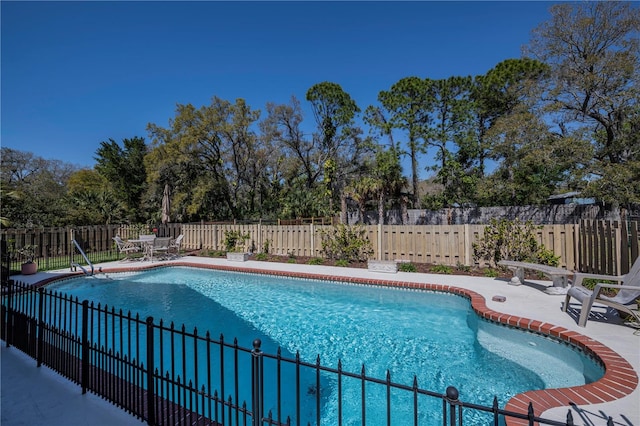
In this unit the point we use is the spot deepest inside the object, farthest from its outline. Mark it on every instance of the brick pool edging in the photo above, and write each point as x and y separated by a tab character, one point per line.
618	381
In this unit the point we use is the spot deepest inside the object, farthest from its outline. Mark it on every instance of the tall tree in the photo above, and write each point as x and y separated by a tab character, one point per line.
452	112
339	139
38	185
408	105
498	93
123	166
593	51
216	161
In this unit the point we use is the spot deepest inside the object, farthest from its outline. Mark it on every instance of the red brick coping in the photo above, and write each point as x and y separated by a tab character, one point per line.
619	380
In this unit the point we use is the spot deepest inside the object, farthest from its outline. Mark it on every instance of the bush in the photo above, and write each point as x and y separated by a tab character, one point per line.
491	273
316	261
512	240
262	256
463	268
343	242
234	240
407	267
442	269
342	262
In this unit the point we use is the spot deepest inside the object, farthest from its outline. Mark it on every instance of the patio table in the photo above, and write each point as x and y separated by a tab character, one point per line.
147	247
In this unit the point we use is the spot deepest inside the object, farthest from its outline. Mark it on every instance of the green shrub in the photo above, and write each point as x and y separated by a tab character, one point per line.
265	246
291	260
316	261
342	262
407	267
442	269
512	240
463	268
491	273
262	256
234	240
344	242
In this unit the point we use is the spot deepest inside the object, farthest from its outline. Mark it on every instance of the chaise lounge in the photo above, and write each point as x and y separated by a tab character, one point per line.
624	300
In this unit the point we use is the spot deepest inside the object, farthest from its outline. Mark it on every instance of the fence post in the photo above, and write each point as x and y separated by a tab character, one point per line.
40	326
257	395
379	240
71	248
467	245
151	411
85	346
452	399
8	323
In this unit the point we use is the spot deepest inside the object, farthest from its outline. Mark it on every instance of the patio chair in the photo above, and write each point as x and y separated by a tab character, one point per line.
125	247
160	247
174	246
624	300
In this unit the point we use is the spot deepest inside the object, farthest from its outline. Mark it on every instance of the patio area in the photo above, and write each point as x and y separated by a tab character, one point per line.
31	395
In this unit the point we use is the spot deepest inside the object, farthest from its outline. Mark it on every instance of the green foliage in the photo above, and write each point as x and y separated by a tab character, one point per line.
262	256
27	252
291	260
265	246
491	272
316	261
442	269
123	167
463	268
342	263
512	240
346	242
407	267
234	240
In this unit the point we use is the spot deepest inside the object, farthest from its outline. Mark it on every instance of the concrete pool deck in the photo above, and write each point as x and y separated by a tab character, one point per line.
526	305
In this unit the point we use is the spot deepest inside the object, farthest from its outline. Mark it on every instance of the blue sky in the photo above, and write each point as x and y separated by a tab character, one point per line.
78	73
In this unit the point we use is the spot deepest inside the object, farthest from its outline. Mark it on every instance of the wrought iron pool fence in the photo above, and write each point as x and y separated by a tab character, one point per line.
166	375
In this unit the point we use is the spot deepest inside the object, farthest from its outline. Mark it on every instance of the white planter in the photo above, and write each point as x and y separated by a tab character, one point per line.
237	257
388	266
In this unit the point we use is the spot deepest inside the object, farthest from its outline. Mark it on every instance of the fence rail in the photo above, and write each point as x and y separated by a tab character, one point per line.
165	375
606	247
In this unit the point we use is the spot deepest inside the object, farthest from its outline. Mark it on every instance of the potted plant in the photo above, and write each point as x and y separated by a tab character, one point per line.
234	243
28	252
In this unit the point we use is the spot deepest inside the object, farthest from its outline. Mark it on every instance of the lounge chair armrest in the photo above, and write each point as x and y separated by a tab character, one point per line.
580	276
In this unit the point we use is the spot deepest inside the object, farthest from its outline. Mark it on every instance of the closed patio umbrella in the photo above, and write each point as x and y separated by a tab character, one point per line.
166	205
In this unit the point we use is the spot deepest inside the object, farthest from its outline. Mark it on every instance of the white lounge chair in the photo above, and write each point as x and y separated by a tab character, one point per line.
624	300
125	246
174	246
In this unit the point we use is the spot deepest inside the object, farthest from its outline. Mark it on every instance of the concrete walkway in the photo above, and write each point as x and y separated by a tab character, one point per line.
38	396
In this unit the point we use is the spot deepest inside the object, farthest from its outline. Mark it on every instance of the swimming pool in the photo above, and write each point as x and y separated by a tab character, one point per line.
433	337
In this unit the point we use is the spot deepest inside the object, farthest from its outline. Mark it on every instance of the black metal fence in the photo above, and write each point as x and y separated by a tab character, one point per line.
52	248
170	376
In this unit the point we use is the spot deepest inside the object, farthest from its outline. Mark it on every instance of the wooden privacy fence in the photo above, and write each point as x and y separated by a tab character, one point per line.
606	247
438	244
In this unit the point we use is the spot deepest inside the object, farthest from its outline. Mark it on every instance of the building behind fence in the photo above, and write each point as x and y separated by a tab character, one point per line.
166	375
597	246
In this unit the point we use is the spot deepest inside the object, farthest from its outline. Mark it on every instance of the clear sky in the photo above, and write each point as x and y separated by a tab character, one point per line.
78	73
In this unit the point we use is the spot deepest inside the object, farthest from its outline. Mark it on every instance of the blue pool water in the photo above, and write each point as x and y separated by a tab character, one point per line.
434	336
